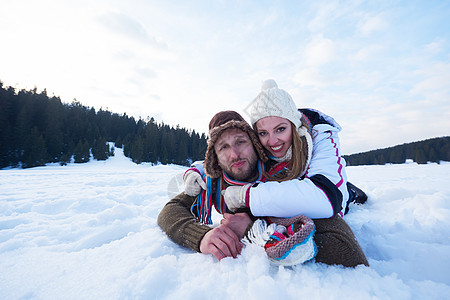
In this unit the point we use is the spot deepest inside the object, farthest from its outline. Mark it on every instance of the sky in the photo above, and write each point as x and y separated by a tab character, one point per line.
381	69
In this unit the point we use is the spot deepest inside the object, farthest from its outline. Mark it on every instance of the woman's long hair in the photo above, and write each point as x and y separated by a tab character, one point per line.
297	163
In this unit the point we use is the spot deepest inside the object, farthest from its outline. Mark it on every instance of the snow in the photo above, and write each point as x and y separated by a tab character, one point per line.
89	231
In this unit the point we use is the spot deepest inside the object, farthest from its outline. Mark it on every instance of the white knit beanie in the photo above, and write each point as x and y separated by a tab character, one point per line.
272	101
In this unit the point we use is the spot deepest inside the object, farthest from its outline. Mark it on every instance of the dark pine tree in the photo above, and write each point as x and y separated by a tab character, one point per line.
34	152
100	150
81	154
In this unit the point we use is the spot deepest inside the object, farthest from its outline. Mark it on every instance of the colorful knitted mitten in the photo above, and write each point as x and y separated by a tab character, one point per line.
286	241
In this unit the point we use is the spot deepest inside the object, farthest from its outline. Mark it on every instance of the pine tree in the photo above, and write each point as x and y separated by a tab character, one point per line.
7	116
420	157
81	154
35	151
100	150
444	153
181	156
396	156
137	150
53	129
432	155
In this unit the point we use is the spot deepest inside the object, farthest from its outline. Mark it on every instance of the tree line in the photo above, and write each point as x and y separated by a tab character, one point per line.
36	129
422	152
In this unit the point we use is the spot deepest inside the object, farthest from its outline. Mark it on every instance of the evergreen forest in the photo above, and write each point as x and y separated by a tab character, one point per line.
422	152
36	129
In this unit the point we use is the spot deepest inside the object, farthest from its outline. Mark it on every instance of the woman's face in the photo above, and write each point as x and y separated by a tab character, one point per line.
275	134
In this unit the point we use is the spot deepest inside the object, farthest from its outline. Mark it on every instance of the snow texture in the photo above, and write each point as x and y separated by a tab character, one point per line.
89	231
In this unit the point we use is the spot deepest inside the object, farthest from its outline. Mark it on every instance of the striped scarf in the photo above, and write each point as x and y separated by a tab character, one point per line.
210	197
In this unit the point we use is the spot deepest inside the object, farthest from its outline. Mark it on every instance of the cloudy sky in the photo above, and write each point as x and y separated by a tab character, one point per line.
380	68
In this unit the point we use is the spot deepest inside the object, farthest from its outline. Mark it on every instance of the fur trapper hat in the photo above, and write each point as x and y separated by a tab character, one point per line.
222	121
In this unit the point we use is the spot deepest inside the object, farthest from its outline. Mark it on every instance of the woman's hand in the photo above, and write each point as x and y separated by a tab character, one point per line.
236	196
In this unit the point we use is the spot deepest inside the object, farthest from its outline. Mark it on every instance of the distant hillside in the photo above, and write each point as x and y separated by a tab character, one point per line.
431	150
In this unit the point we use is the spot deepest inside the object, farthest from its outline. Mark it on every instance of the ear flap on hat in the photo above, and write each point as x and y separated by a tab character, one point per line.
212	168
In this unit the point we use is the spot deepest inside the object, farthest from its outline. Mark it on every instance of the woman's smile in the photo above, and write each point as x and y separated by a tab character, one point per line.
276	148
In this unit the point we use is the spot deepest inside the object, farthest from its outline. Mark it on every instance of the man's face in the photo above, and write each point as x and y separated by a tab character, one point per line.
236	154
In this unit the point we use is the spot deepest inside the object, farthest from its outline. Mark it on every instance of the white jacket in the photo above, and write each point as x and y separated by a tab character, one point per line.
322	192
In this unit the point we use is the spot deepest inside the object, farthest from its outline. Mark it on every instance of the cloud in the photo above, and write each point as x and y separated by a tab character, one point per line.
326	14
122	24
366	53
437	78
372	24
146	72
310	77
319	51
435	47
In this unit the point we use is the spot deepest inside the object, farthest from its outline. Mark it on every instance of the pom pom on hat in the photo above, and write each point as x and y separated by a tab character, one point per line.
273	101
268	84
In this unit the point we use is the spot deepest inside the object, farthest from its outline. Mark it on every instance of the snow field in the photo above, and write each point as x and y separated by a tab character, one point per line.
89	231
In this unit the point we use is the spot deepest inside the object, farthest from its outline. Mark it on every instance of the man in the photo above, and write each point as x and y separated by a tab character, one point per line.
235	154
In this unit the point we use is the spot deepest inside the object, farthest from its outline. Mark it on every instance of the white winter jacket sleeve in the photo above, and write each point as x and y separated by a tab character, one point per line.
321	194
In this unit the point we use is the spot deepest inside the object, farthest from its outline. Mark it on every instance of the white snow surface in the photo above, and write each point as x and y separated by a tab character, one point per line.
89	231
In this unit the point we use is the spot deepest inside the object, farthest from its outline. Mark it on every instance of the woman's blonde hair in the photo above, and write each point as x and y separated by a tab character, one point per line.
297	163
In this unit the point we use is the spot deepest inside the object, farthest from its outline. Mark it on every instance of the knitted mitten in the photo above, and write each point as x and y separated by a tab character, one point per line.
298	246
276	238
193	182
286	241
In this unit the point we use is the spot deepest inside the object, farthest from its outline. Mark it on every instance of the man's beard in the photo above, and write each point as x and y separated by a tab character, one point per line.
242	175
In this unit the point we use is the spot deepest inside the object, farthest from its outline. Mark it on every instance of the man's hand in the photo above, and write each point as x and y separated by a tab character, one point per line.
237	222
234	196
221	242
193	183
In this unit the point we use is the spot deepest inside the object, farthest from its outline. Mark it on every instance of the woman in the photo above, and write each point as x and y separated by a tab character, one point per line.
303	145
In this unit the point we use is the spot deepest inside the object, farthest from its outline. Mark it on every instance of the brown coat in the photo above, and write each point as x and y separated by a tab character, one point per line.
335	241
177	221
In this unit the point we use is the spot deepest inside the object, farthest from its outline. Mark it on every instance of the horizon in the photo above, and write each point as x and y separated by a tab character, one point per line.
161	122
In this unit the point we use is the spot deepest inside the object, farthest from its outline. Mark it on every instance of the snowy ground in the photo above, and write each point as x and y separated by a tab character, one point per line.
89	232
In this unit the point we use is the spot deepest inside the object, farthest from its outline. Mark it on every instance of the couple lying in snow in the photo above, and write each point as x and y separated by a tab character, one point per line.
281	185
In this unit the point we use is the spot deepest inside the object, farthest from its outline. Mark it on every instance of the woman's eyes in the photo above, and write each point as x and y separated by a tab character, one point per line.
279	129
